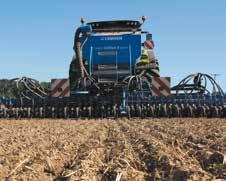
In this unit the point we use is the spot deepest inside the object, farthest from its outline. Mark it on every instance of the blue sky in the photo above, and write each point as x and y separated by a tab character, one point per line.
36	37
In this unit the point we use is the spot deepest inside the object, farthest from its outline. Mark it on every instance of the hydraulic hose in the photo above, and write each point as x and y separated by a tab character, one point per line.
77	49
78	53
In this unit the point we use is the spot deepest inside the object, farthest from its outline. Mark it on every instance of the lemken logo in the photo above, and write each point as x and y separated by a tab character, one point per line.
111	38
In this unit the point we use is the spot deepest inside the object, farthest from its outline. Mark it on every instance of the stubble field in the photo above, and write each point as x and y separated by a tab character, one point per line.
137	149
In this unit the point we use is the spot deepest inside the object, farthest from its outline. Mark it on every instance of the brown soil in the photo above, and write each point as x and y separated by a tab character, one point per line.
137	149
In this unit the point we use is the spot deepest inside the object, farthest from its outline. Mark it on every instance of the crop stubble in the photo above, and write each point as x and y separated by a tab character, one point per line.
137	149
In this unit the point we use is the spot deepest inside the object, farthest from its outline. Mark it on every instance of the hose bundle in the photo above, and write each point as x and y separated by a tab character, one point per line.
85	78
30	88
24	87
137	83
198	83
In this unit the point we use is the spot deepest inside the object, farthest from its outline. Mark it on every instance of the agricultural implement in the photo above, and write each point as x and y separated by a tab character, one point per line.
103	82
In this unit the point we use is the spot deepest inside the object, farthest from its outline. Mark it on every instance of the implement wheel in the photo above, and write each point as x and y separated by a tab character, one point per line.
115	111
128	112
188	111
150	111
139	110
201	111
132	110
162	110
90	112
224	112
175	111
77	112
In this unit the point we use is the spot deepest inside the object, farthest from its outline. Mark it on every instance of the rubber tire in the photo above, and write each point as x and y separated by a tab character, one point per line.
224	112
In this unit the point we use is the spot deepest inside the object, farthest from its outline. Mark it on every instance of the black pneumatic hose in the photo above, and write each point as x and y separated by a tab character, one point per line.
77	49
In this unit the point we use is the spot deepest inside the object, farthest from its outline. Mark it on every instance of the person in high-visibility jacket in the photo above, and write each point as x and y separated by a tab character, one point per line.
147	67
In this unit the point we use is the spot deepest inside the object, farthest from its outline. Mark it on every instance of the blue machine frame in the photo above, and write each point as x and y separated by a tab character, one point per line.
112	53
112	49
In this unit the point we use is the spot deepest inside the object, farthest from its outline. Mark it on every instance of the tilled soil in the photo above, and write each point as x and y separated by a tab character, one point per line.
136	149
